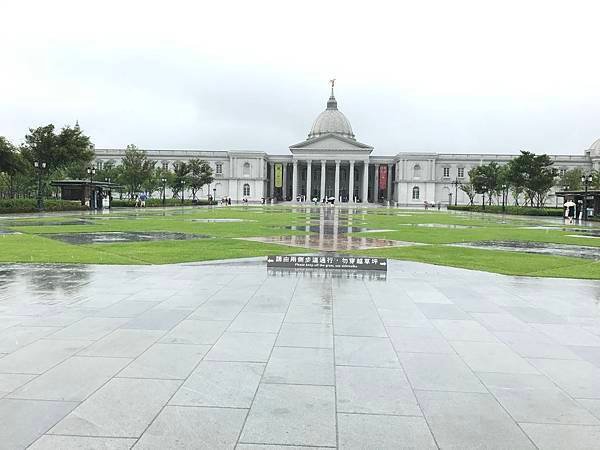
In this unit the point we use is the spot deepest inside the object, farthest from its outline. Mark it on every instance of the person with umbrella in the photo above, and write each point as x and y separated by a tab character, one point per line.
568	205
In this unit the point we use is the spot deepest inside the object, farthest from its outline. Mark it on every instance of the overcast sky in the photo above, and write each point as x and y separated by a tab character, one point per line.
442	76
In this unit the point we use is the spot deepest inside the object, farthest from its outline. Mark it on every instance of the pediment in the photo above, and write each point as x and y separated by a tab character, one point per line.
331	142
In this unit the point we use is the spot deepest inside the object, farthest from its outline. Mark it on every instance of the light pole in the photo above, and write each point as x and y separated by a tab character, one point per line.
214	196
91	172
182	191
504	195
40	166
456	183
164	183
483	188
586	180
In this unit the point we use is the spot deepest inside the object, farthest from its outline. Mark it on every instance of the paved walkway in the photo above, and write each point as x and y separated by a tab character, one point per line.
224	355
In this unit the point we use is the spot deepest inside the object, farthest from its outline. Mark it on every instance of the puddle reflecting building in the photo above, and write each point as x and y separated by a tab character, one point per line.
331	162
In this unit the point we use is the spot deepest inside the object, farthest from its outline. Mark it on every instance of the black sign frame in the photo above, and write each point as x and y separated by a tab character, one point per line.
327	262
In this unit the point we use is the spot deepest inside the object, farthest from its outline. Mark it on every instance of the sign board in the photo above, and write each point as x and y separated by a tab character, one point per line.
327	262
383	177
278	175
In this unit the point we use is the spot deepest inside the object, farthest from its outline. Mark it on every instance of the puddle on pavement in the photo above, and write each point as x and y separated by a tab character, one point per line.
436	225
119	237
221	220
331	243
544	248
42	223
6	232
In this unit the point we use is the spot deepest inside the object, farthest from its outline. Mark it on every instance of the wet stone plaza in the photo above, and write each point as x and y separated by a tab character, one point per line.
230	355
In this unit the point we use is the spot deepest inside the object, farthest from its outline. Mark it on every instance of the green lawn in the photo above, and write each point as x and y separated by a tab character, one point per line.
35	245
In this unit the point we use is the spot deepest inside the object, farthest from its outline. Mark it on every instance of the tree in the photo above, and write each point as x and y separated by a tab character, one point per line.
572	179
469	189
11	168
136	169
70	147
541	180
200	174
179	179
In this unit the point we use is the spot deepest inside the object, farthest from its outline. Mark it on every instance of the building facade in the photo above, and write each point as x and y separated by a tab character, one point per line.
332	163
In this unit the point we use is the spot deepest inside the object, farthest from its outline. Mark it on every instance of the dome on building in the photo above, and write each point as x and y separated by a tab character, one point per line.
331	120
595	149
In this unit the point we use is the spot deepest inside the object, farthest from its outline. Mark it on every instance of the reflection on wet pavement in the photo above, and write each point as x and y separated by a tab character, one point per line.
121	236
221	220
577	251
436	225
330	244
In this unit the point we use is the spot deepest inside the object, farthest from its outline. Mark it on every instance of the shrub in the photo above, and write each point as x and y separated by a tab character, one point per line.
26	205
512	210
156	202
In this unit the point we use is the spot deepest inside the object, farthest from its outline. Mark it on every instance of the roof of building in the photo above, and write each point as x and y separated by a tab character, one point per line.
332	120
595	148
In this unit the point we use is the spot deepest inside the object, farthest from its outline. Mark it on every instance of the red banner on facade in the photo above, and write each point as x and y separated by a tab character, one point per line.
383	177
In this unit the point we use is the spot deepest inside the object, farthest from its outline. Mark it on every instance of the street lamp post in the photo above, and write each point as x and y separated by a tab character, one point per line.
164	183
484	189
91	172
214	196
456	183
586	180
504	195
40	166
182	191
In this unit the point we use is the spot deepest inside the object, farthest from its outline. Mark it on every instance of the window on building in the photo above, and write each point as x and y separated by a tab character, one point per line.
99	165
446	172
562	172
415	193
246	189
165	165
417	171
246	169
461	172
219	168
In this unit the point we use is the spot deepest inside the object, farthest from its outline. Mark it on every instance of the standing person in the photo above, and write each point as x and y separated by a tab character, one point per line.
143	198
439	205
229	201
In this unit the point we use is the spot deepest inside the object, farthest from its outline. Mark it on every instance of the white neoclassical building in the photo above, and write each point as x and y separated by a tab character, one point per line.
332	162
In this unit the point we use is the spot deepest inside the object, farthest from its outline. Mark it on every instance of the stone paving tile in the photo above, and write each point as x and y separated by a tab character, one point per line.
251	347
443	311
365	351
296	365
53	442
309	314
592	405
372	390
18	336
123	343
560	437
254	322
292	415
466	420
533	315
580	379
196	332
407	316
157	319
364	431
197	428
590	354
11	381
439	372
24	421
91	328
569	335
533	398
277	447
40	356
418	340
166	361
221	384
463	330
492	357
71	380
319	335
501	322
121	408
213	310
531	345
126	309
360	325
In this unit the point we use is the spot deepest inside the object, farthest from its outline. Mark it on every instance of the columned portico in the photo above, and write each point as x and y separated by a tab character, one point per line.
376	183
337	181
351	183
295	181
365	180
309	179
323	177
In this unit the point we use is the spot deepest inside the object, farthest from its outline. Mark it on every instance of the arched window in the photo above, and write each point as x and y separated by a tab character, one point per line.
246	189
417	171
246	170
416	193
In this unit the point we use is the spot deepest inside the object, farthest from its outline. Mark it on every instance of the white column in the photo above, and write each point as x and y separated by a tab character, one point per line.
295	181
323	175
389	182
309	180
365	186
337	181
376	183
284	185
272	193
351	183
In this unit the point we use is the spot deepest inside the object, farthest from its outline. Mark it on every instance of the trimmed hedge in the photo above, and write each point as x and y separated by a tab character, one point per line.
27	205
512	210
156	202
